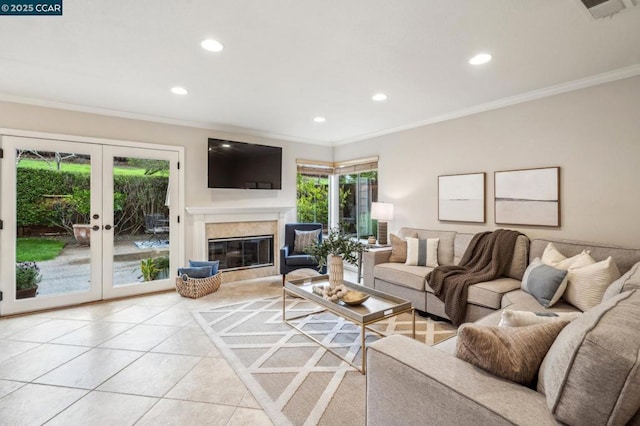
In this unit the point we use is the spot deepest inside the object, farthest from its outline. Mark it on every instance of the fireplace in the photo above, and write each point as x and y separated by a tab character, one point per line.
242	252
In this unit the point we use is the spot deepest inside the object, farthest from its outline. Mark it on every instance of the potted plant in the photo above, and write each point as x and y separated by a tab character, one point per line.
333	251
154	269
27	279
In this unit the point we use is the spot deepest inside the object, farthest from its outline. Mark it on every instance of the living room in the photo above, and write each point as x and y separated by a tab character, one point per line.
583	121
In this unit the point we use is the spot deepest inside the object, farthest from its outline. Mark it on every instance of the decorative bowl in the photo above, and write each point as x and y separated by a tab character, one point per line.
353	297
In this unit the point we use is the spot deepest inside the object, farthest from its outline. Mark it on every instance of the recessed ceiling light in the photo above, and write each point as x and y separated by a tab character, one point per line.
480	58
179	90
379	97
319	119
212	45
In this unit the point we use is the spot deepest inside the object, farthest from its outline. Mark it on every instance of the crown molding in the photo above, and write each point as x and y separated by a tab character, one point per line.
619	74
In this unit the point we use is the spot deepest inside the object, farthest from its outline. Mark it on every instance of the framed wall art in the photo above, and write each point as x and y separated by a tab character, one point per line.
461	198
528	197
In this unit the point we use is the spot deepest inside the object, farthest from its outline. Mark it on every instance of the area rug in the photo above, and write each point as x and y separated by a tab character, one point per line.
295	380
149	244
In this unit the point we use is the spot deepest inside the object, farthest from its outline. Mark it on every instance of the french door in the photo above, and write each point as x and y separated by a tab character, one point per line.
90	221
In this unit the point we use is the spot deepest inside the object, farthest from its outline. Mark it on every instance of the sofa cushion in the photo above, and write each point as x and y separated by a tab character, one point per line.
513	353
588	284
629	281
591	374
520	258
490	293
404	275
299	259
544	282
511	318
422	252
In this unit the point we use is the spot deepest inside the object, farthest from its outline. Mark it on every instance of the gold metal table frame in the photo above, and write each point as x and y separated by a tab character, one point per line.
379	307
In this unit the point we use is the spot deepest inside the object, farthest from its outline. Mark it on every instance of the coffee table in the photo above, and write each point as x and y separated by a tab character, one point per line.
379	306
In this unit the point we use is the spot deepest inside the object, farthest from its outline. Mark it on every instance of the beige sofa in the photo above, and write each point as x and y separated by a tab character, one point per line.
409	282
592	371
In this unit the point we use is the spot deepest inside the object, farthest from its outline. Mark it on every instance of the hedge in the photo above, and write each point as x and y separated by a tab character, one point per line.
134	196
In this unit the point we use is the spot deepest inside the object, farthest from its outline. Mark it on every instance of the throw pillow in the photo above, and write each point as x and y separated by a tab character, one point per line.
304	240
399	248
198	272
552	257
513	353
511	318
629	281
591	374
544	282
215	264
588	284
422	252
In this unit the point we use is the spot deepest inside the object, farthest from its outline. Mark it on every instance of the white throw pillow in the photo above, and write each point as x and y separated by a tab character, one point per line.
588	284
511	318
422	252
552	257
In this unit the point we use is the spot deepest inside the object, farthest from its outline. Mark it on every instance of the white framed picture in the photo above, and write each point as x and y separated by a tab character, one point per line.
461	198
528	197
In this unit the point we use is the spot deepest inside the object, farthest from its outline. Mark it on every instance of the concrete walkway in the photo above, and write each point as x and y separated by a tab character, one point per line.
69	272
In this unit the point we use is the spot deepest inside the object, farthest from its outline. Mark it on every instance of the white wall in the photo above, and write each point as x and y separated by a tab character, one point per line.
593	134
194	140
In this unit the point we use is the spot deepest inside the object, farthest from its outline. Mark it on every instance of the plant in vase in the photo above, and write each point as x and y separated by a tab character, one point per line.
333	251
27	278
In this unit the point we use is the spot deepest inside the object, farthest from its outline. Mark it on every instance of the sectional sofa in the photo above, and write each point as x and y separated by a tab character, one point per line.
409	282
590	375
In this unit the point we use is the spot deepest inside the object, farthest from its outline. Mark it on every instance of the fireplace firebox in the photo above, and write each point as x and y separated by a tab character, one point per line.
242	252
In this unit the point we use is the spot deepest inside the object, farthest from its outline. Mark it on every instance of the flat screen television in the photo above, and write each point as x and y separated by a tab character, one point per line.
243	165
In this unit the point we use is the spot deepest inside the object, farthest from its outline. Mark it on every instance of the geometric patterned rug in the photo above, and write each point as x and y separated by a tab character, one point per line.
295	380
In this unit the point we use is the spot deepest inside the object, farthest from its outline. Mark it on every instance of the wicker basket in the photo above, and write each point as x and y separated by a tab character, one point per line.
198	287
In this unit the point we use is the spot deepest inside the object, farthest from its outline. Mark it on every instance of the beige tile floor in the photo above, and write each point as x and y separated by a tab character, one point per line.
141	360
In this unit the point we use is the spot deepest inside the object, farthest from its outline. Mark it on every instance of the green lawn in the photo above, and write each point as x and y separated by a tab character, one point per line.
83	168
37	249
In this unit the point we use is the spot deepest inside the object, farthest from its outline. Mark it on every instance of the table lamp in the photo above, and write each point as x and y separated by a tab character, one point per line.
382	212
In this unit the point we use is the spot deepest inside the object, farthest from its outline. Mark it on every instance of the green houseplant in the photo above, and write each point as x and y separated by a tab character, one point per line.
27	278
333	251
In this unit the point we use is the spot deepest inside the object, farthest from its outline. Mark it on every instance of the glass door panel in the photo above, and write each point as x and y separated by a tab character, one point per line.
51	237
140	232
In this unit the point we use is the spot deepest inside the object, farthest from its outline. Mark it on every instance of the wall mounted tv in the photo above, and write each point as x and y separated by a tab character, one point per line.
244	165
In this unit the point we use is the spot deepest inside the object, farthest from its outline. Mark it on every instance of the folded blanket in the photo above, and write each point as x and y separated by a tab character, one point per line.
487	257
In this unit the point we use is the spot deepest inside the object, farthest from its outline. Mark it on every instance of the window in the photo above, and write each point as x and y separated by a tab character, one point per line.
345	189
357	192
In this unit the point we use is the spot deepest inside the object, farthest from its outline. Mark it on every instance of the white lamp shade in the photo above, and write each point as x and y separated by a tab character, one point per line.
382	211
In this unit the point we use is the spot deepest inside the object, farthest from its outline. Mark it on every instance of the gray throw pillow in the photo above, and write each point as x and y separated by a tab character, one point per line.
304	240
196	272
544	282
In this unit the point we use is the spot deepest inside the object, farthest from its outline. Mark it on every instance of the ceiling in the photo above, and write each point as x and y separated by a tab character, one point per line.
288	61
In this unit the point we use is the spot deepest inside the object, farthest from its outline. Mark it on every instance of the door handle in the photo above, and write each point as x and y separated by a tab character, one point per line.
107	227
95	227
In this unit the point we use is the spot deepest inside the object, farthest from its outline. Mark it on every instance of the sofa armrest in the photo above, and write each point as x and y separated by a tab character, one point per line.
370	259
410	383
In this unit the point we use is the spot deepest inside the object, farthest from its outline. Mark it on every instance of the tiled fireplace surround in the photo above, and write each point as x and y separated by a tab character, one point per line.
219	222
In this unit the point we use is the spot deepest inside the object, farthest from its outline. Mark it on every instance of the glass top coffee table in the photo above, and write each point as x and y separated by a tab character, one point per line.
379	306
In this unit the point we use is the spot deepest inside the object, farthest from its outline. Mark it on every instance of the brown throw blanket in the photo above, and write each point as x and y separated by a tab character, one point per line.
488	256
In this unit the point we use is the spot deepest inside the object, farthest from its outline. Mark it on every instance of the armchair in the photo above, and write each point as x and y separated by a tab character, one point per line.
289	260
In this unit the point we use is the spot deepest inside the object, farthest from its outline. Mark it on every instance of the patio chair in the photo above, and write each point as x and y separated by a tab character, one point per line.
156	224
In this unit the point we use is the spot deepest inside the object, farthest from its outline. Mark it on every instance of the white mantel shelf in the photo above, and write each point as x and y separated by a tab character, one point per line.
237	210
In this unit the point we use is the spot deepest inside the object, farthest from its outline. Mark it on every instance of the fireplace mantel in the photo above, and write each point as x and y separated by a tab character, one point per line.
230	214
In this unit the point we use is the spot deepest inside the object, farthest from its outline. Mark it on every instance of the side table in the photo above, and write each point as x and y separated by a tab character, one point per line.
368	247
